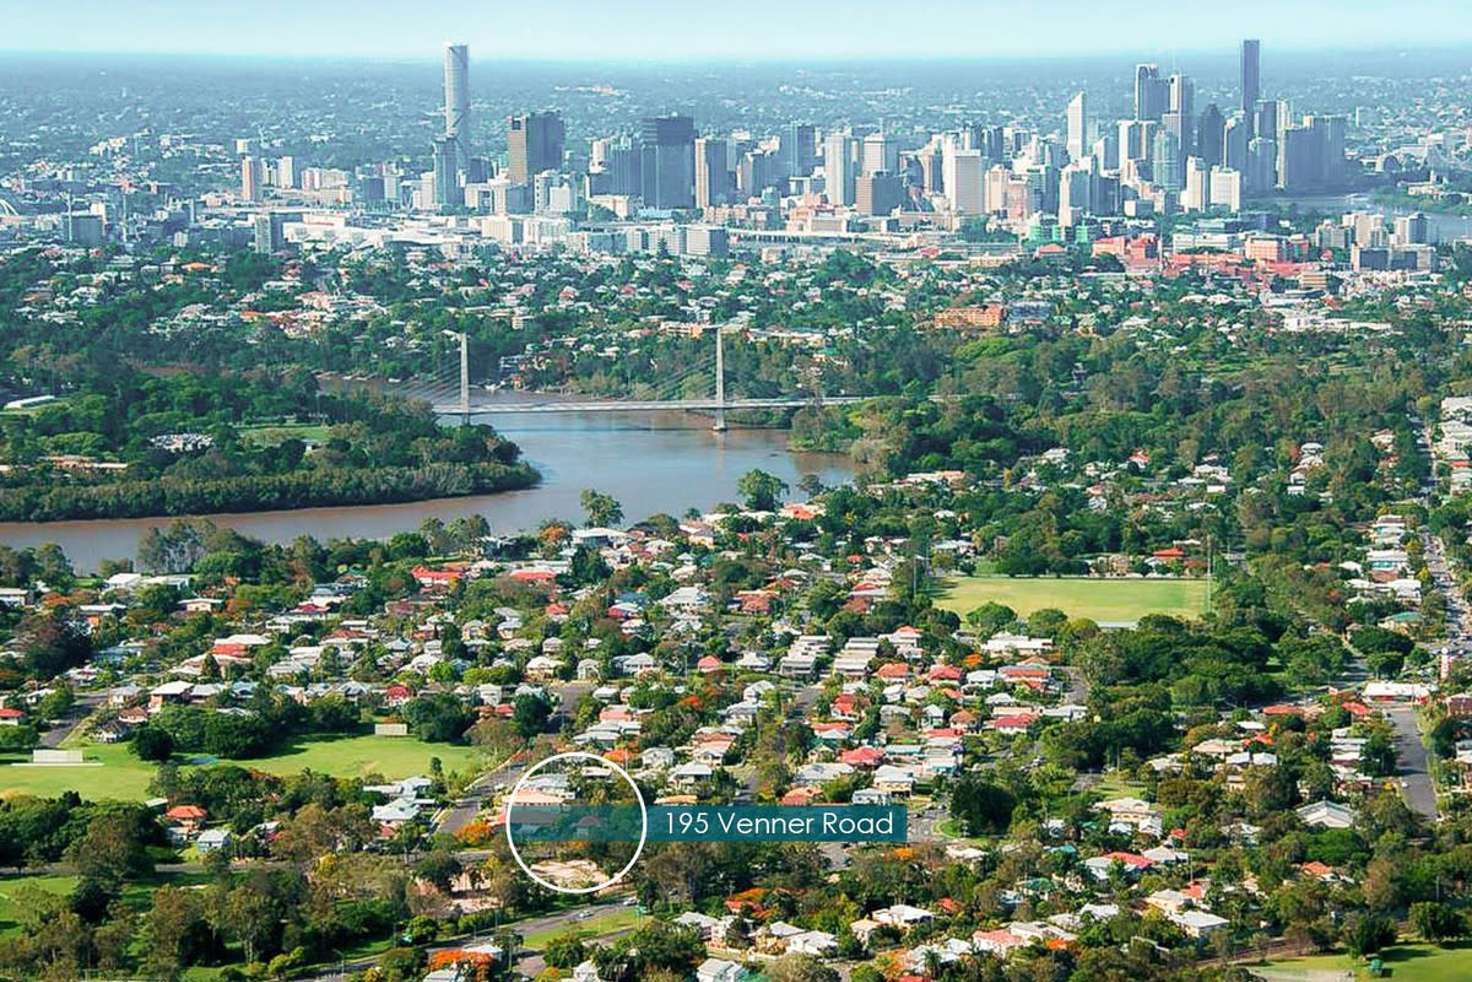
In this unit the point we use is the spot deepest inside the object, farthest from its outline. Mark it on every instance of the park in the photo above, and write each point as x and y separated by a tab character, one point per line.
1108	601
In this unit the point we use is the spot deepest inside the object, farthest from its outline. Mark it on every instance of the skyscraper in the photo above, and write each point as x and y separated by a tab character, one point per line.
446	178
838	168
457	100
1165	161
1077	122
1152	93
799	146
1182	109
668	161
534	143
1210	129
1251	83
879	153
712	178
252	178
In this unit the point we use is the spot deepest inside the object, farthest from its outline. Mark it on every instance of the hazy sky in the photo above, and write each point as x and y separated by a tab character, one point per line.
670	30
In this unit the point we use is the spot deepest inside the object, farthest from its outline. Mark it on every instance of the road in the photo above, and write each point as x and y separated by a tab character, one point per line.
525	928
85	704
478	792
1415	775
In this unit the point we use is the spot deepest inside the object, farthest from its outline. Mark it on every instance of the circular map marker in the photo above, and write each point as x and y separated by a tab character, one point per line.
521	796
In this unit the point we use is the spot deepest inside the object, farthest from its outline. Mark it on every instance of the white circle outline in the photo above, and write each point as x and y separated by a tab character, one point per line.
568	755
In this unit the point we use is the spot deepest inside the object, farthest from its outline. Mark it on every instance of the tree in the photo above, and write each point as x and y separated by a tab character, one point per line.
761	491
1437	922
152	743
566	951
1365	934
990	618
982	808
530	713
440	867
602	509
114	847
438	718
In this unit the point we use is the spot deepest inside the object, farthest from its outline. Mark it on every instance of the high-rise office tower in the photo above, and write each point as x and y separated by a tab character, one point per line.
1181	101
879	153
878	193
252	178
712	178
1106	151
1132	142
838	169
457	100
1075	192
534	143
1152	93
1236	135
1262	169
1077	123
1251	83
800	147
961	175
1210	131
1165	160
667	150
446	179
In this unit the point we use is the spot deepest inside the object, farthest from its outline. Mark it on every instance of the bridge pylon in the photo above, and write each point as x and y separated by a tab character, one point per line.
720	421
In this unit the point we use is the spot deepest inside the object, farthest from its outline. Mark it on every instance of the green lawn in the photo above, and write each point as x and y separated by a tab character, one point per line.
1098	599
623	919
270	434
125	777
137	894
1404	963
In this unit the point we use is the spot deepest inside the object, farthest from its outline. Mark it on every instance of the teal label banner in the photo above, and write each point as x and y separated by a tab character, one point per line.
778	823
708	823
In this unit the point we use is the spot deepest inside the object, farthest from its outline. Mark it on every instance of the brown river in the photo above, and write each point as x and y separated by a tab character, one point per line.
651	462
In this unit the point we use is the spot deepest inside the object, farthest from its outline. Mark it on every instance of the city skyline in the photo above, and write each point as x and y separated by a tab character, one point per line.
644	30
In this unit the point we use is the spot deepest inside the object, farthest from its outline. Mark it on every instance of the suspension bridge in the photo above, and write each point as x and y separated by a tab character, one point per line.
669	394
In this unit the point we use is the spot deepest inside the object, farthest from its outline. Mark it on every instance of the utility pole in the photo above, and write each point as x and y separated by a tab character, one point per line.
465	376
720	424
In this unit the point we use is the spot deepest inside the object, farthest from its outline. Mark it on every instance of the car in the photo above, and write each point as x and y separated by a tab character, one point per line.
583	915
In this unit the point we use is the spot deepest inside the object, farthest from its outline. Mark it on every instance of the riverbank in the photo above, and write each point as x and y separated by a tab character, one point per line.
650	462
335	487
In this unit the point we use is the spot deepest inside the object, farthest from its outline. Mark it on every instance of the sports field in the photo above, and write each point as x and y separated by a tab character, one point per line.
1097	599
1404	962
125	777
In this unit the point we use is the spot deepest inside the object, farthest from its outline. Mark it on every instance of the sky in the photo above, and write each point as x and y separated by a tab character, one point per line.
667	30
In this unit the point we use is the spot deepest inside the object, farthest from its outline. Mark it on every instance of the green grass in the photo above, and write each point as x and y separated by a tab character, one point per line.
125	777
1098	599
137	894
270	434
1403	963
623	919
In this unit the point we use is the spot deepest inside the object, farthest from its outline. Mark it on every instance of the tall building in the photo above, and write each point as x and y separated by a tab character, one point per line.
961	176
667	172
800	148
1152	93
712	177
1106	151
1236	135
1196	195
615	167
1181	110
1165	160
534	143
1210	133
1251	81
457	100
252	178
878	193
1076	120
838	169
879	153
286	172
446	178
1226	188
